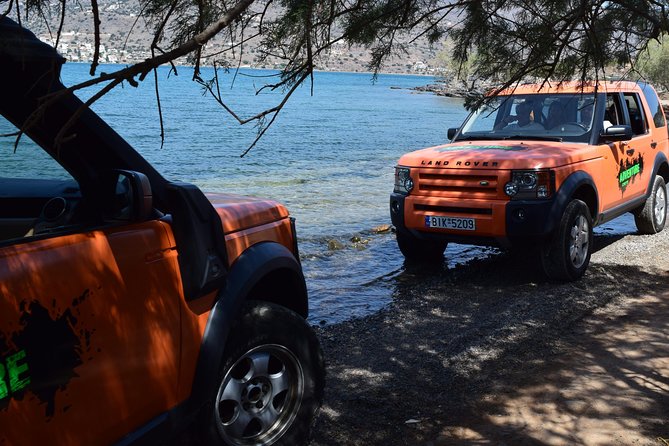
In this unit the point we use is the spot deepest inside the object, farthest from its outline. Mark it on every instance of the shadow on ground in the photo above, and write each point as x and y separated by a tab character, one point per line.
440	365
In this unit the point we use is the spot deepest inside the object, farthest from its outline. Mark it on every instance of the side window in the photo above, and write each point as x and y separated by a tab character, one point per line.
636	114
654	106
613	115
37	195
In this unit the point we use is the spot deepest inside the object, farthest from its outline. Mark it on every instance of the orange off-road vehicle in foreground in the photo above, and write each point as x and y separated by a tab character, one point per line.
132	307
538	166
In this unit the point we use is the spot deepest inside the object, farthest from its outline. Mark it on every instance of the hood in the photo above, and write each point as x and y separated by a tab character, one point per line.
516	154
239	212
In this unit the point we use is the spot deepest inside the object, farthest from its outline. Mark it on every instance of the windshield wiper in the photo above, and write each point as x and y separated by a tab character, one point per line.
535	137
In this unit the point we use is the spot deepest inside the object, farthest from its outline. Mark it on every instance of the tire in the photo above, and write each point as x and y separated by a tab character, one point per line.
652	216
566	255
417	250
271	382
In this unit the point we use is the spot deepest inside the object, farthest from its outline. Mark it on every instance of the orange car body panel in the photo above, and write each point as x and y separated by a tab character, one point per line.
249	220
88	306
158	333
572	87
433	185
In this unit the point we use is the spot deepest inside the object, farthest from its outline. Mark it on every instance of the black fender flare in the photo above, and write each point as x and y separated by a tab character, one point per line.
247	271
660	159
564	195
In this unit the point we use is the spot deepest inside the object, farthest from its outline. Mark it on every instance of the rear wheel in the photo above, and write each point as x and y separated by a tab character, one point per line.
567	254
652	216
271	382
417	250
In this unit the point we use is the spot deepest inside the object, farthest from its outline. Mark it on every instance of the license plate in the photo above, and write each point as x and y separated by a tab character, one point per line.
463	224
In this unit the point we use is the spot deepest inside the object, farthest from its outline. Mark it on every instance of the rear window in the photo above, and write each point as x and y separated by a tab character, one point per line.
654	105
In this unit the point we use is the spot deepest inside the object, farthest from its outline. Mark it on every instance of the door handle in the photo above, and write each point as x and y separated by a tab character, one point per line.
653	145
630	152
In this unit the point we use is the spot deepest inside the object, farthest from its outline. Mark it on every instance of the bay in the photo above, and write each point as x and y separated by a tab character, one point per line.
329	157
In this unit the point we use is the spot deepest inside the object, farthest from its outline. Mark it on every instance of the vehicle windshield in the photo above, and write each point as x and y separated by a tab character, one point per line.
28	160
551	117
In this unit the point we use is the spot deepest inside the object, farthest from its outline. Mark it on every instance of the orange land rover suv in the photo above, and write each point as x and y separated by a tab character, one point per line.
538	166
132	307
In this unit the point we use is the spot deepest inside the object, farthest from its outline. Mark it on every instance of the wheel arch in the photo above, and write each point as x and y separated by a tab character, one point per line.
587	194
264	267
661	168
579	185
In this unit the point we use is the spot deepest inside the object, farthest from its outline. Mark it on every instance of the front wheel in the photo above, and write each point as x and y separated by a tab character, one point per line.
271	383
417	250
567	254
652	216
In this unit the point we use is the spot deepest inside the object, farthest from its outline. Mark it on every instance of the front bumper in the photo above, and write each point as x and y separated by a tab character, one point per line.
499	223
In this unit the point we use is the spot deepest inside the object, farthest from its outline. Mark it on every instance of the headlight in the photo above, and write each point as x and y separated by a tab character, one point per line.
528	184
403	181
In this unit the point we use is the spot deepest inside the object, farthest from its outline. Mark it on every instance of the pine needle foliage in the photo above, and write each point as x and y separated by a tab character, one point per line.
513	40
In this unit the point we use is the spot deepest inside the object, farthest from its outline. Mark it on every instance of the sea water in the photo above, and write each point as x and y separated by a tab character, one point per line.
329	157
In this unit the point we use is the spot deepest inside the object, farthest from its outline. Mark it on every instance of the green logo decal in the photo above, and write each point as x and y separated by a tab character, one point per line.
482	148
627	174
629	170
14	376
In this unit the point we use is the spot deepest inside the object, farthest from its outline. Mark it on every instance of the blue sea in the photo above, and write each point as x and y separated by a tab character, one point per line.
329	157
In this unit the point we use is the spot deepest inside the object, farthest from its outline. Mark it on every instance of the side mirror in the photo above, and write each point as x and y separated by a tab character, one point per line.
128	196
617	133
451	133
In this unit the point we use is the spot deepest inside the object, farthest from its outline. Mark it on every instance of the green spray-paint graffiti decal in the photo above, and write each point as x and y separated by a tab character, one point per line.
14	376
628	171
627	174
41	356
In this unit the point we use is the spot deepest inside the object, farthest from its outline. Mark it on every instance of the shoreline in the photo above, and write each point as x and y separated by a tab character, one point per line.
371	73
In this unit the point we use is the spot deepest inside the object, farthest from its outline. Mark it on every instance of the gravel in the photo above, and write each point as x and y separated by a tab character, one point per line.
460	346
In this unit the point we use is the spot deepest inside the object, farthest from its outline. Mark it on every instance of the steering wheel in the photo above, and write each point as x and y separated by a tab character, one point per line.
54	214
582	126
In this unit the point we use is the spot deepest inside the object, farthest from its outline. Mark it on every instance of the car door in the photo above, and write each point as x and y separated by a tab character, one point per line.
89	330
628	166
636	162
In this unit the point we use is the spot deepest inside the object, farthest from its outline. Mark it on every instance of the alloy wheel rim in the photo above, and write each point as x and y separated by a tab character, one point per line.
579	241
660	205
259	397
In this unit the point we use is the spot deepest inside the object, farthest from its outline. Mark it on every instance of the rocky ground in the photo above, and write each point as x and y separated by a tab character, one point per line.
491	353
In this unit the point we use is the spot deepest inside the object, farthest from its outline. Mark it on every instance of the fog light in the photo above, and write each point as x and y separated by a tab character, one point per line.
511	189
395	207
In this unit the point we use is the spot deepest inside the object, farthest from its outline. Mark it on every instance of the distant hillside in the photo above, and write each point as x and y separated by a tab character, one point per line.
121	45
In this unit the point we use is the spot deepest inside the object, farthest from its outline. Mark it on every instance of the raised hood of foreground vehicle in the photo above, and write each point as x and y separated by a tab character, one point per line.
516	154
240	212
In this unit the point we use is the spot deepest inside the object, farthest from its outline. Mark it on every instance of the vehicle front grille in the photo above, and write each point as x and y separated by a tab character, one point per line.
461	184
